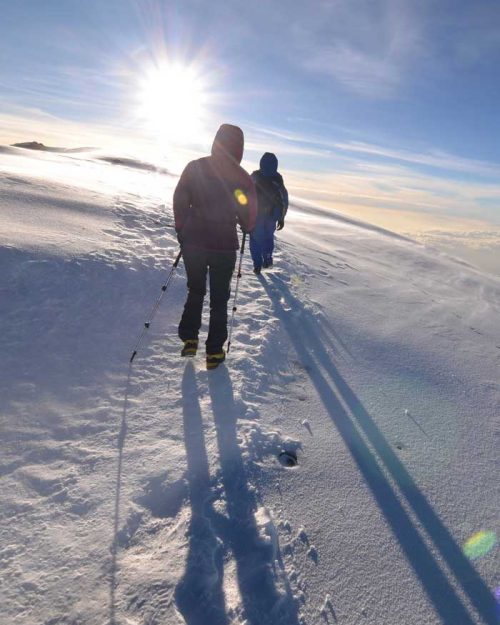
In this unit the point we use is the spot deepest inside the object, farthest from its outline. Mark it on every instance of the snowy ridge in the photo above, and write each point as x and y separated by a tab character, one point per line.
154	494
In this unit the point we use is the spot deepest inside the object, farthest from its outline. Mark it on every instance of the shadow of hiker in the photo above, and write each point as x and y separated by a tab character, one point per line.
199	594
255	558
331	386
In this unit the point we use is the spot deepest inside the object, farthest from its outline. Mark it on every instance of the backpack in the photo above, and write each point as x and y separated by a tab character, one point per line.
269	196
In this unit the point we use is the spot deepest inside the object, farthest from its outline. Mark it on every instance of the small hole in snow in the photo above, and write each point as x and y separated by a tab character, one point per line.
288	458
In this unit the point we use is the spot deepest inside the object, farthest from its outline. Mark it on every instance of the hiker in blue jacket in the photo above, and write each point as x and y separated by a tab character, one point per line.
272	201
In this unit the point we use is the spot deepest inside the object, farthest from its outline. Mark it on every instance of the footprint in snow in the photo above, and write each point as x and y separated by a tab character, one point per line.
163	499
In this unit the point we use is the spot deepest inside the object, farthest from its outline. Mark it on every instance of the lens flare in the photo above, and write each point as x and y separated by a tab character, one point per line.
241	197
480	544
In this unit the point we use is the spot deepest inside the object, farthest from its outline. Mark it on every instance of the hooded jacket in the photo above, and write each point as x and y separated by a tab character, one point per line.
214	194
272	196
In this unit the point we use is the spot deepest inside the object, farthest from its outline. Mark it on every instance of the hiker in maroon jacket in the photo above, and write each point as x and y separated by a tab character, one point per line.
213	195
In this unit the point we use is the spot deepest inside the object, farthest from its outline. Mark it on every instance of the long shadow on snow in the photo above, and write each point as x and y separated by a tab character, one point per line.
78	320
238	531
434	581
254	558
199	594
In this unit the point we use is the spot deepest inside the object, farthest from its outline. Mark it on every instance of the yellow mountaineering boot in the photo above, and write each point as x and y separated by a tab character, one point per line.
214	360
190	348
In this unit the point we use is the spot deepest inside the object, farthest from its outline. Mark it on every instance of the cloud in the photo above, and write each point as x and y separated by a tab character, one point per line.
368	47
376	48
366	157
387	186
435	158
258	143
466	37
356	69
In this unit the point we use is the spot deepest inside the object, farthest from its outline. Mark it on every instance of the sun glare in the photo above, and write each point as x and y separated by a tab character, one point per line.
173	103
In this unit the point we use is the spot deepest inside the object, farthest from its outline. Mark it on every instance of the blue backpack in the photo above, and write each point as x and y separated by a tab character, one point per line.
270	199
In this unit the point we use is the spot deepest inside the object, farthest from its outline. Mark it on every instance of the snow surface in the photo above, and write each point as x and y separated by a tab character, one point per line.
153	493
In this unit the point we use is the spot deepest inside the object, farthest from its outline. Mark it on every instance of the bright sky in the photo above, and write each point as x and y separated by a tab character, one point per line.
383	108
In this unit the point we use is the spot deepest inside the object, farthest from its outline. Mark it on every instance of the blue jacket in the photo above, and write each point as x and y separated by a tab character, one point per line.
272	196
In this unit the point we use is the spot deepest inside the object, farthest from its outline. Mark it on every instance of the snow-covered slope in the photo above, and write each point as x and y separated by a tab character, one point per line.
154	493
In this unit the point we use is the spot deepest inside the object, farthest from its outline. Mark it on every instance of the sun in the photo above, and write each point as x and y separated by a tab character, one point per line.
173	102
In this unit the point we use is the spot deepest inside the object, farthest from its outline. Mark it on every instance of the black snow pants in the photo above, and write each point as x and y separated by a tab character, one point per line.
220	267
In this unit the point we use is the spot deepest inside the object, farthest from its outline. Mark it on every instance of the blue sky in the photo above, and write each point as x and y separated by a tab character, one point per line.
384	109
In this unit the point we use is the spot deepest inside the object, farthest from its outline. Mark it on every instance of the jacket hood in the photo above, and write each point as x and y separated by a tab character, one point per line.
229	142
268	164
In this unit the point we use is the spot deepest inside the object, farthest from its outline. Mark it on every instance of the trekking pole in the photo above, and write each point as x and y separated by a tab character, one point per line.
155	307
238	276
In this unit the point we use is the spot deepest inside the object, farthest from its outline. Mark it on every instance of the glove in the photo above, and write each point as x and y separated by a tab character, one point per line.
180	238
281	224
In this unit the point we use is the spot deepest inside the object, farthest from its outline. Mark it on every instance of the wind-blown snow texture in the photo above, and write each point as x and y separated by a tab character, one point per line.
154	494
